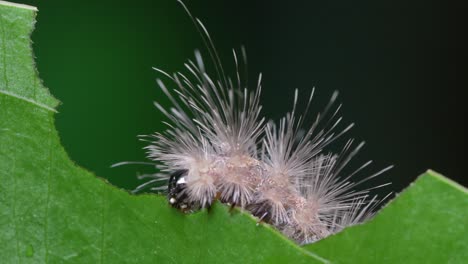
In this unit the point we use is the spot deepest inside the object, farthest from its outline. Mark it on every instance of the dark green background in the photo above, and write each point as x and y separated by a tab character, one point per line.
397	65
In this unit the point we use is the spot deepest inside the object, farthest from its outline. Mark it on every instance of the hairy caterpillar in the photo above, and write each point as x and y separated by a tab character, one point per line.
219	147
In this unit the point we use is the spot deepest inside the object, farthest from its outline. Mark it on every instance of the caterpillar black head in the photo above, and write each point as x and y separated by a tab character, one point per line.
176	194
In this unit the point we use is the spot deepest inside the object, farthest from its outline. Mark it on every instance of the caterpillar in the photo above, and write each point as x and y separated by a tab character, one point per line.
218	146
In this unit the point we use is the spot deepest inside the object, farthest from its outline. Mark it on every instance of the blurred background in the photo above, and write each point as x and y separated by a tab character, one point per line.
397	65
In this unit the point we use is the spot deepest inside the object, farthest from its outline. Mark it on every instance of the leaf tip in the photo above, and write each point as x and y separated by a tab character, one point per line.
445	180
5	3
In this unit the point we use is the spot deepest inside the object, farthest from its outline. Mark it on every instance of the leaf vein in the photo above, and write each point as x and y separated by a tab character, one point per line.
46	217
4	53
5	92
104	203
14	207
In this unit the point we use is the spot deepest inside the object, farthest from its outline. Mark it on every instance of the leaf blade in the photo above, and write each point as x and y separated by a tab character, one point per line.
427	223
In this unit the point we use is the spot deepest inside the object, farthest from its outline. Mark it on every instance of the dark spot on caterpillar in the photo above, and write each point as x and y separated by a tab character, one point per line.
176	194
261	210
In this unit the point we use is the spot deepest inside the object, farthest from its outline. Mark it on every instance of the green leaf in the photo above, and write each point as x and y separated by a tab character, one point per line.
427	223
52	211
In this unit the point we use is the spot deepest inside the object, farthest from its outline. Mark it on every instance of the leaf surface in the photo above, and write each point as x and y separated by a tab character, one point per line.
52	211
427	223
